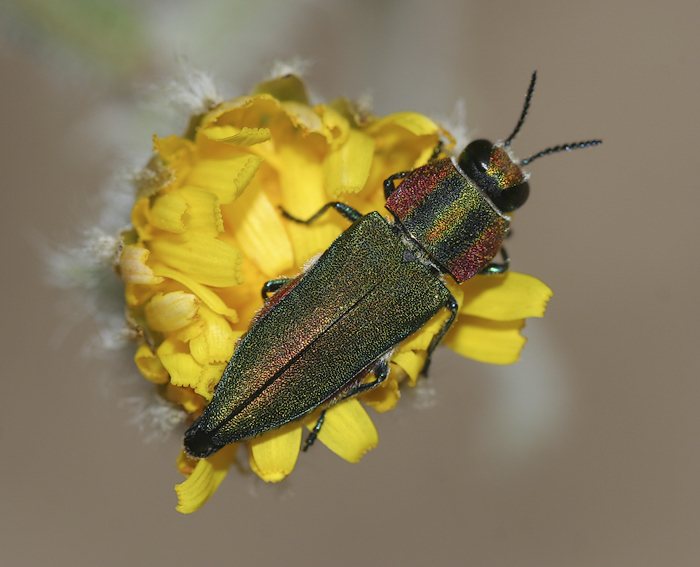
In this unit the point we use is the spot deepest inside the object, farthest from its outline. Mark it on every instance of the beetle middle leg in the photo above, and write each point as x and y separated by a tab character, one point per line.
346	210
271	286
453	307
381	371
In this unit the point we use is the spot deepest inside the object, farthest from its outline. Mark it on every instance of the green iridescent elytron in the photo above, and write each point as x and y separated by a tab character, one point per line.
317	340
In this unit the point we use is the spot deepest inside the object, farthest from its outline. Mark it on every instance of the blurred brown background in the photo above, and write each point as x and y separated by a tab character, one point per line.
585	453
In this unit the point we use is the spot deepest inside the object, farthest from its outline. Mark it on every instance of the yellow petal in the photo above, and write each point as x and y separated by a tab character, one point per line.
204	480
238	136
346	169
335	124
141	218
496	342
348	431
286	87
208	297
420	340
208	379
203	211
505	297
177	153
171	311
226	178
167	213
150	366
385	396
259	231
216	342
416	124
133	268
182	367
411	362
186	398
205	259
273	456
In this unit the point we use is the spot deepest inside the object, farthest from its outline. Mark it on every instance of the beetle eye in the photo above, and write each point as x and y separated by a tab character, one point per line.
512	198
474	160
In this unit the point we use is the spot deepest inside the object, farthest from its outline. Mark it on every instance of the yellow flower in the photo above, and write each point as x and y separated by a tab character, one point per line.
207	233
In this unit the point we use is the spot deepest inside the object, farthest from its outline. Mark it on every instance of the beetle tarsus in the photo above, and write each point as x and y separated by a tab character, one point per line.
313	434
346	210
453	306
271	286
495	268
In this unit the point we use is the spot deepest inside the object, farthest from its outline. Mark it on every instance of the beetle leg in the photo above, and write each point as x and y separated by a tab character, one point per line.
346	210
453	307
389	186
311	437
381	371
437	151
271	286
498	267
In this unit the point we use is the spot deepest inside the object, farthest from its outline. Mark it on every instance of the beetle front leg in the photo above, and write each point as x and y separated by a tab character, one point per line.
498	267
453	307
437	151
271	286
346	210
389	186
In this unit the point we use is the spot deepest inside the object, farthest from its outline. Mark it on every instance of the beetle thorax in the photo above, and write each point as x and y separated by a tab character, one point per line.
449	217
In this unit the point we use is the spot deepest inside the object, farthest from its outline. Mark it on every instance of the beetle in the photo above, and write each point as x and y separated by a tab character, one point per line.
316	341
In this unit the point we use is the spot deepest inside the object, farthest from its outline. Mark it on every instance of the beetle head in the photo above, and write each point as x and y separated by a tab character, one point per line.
497	173
491	167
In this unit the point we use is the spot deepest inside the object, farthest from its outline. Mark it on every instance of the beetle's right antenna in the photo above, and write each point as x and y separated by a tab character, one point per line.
526	107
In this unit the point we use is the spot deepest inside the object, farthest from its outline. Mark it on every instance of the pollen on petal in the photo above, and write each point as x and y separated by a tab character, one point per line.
348	431
133	267
171	311
273	456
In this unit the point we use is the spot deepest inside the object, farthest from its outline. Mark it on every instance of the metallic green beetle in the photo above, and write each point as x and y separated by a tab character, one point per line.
318	338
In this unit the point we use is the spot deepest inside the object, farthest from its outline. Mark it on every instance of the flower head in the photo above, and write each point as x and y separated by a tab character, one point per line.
208	232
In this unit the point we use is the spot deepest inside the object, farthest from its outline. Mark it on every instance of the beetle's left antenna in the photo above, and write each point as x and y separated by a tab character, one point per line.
526	107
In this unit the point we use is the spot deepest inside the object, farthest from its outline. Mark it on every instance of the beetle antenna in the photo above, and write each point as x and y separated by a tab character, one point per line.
526	107
561	148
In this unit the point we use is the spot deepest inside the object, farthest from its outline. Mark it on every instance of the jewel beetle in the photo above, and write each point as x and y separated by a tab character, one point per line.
322	334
